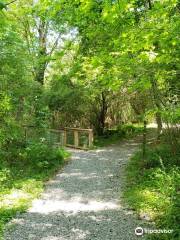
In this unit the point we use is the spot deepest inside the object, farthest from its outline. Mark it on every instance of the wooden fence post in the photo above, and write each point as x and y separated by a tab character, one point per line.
90	138
65	137
76	138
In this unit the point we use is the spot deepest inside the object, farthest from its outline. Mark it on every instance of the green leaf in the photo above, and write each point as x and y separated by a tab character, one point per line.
2	6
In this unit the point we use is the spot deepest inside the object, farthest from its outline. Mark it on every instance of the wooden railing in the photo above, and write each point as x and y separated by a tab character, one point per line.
77	135
70	137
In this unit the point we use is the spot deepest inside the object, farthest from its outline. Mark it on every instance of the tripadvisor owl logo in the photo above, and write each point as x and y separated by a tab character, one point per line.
139	231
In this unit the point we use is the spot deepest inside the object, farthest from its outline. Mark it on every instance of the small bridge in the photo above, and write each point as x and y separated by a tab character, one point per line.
70	137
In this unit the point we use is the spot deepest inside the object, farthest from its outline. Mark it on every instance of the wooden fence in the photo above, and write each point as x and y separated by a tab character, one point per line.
70	137
78	137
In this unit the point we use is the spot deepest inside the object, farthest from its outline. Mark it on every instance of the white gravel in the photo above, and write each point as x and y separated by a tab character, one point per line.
83	202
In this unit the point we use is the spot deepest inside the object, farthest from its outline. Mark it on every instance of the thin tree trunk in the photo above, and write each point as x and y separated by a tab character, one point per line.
40	72
144	138
42	54
159	124
150	4
158	106
102	116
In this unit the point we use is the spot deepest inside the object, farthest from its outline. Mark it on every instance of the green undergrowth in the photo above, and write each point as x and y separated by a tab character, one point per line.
23	172
153	188
114	135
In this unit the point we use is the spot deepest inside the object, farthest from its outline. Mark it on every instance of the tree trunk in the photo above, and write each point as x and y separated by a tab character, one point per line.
144	138
159	124
158	106
102	115
100	111
40	73
149	4
103	112
42	54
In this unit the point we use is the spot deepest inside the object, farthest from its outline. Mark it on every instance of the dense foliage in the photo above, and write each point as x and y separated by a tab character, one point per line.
153	188
23	170
101	63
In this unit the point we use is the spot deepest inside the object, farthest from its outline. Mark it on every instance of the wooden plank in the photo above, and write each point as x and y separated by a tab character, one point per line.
78	129
56	130
73	146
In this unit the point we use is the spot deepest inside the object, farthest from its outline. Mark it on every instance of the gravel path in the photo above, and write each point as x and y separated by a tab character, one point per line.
82	202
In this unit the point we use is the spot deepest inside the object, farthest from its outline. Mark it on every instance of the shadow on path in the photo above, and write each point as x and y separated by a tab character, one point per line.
82	202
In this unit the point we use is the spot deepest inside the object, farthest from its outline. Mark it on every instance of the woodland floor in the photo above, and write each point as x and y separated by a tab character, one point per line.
84	201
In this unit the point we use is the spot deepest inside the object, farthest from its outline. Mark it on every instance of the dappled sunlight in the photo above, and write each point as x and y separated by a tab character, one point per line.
129	212
100	150
73	206
75	176
74	158
82	202
104	150
129	155
132	144
71	174
90	177
75	226
79	233
14	198
19	221
97	218
53	238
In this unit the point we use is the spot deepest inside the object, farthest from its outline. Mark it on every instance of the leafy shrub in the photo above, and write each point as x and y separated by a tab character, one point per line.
153	188
4	177
123	130
159	157
150	161
129	129
23	169
113	135
42	156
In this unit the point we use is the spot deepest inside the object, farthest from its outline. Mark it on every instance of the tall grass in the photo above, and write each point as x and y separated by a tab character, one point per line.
153	188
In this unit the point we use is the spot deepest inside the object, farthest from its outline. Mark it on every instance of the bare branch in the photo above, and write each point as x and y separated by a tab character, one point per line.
54	45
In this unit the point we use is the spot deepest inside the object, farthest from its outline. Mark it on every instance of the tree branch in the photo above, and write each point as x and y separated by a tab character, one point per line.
54	45
11	2
150	4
